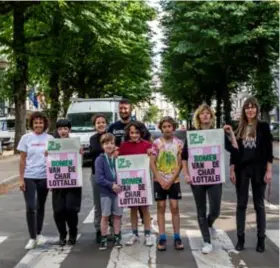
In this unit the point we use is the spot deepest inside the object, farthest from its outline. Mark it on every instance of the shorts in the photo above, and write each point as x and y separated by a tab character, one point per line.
174	192
109	206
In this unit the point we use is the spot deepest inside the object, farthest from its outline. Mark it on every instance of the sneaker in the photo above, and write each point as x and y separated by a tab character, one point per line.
40	240
161	246
178	245
134	238
103	245
62	241
30	244
98	237
213	232
148	241
72	240
117	243
207	248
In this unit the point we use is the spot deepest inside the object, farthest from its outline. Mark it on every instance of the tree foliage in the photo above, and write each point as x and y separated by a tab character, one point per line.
152	114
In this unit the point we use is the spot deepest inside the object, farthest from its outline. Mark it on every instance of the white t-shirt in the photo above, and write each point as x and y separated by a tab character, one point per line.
34	146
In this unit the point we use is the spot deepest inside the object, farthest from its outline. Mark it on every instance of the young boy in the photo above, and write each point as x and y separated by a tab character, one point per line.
166	167
66	202
105	172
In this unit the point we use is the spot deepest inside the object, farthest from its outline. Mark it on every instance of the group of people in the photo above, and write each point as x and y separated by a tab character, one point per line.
250	147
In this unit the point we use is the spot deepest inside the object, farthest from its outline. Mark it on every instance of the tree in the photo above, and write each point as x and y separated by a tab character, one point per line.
152	114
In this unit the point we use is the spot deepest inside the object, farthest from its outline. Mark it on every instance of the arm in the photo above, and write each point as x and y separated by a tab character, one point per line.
100	175
269	146
177	170
22	162
230	141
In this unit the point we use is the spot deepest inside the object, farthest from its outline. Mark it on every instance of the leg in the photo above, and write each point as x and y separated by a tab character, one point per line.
141	215
199	193
30	203
104	225
214	197
96	203
134	220
161	207
146	217
174	209
42	193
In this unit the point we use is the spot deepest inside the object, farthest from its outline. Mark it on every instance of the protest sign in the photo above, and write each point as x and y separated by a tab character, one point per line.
64	163
206	156
133	174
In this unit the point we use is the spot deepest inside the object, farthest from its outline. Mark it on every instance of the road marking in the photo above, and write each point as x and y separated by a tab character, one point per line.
90	217
49	255
136	256
223	255
267	204
7	180
273	235
3	238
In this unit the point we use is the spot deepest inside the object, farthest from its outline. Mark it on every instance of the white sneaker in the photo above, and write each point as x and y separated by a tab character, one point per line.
149	241
213	232
40	240
207	248
30	244
133	239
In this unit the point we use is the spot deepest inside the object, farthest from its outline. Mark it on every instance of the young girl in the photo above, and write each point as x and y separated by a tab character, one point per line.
136	145
252	162
204	118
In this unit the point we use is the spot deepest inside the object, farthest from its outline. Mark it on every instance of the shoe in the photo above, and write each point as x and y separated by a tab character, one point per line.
133	239
213	232
31	244
72	240
161	246
117	243
240	243
148	241
98	237
260	245
62	241
103	245
207	248
178	245
40	240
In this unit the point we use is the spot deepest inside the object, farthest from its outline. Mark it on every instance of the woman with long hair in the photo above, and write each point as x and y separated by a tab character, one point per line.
204	118
252	162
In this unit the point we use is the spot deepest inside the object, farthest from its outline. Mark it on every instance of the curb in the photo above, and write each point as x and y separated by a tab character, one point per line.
8	184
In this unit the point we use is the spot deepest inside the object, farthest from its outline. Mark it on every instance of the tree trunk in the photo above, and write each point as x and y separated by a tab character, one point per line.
218	109
21	74
67	94
54	99
265	116
227	106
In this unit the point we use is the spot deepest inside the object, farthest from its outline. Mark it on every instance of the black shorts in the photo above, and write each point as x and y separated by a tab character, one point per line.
174	192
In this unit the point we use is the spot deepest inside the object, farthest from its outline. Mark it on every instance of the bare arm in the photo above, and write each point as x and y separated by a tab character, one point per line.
177	170
22	162
154	167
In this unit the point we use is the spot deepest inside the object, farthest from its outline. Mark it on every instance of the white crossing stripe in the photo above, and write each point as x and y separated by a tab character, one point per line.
90	217
136	256
273	235
50	255
3	238
223	251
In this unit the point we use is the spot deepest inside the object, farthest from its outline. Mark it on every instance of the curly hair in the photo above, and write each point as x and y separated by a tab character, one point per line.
138	125
168	119
95	117
38	115
198	111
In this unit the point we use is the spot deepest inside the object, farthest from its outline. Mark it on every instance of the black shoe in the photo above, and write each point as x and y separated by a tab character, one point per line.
62	241
117	242
161	246
103	245
72	240
260	245
240	243
98	237
178	245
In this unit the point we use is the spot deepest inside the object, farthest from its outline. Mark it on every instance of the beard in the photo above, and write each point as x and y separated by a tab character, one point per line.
125	117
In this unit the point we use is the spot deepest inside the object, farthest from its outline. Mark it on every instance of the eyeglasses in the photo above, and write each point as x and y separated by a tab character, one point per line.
250	107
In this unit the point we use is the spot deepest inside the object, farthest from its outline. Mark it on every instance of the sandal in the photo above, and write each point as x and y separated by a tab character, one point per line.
178	245
161	246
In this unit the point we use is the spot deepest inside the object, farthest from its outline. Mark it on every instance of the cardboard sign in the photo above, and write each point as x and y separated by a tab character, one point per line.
133	174
64	163
206	156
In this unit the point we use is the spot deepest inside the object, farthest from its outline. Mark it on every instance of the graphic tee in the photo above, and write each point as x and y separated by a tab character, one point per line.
249	145
34	146
167	153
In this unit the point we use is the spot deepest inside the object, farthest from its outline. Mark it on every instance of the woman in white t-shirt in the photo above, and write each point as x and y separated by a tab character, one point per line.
33	177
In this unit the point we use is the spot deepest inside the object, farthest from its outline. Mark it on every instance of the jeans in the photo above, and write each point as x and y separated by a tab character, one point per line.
35	205
214	195
242	190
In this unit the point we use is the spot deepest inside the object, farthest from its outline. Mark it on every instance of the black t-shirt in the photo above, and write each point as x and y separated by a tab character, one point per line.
117	129
95	148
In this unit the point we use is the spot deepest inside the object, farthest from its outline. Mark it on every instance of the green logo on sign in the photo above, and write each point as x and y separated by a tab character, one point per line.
196	139
122	163
54	146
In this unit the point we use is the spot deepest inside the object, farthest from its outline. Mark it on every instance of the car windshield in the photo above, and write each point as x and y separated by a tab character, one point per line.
7	124
81	122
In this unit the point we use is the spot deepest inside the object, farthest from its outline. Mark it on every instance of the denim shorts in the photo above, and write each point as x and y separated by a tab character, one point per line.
109	206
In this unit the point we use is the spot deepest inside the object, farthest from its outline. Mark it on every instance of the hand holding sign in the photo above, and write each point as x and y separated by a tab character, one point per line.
116	188
228	129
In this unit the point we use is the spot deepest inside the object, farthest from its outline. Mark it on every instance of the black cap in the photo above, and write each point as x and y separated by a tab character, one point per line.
63	123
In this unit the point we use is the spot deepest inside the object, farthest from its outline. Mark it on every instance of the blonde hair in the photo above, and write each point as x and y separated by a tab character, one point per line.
107	137
243	122
198	111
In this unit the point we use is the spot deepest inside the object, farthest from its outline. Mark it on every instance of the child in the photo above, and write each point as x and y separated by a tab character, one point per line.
166	167
105	172
135	144
66	202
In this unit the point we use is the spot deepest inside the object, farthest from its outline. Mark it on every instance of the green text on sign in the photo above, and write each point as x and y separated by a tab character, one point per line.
196	139
62	163
137	180
54	146
123	163
204	158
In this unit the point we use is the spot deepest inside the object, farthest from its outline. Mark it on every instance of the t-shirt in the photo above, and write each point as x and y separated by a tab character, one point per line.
34	146
249	145
117	129
167	153
128	147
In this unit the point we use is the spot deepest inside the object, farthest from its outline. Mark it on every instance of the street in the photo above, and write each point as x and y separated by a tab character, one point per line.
13	235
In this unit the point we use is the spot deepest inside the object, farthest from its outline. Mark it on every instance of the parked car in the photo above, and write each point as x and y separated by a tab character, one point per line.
274	127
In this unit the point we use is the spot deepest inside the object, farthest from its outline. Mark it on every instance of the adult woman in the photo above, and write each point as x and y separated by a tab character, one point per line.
100	123
32	177
253	161
204	119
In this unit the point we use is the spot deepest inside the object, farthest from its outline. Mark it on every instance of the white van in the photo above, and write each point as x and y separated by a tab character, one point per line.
7	132
81	111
